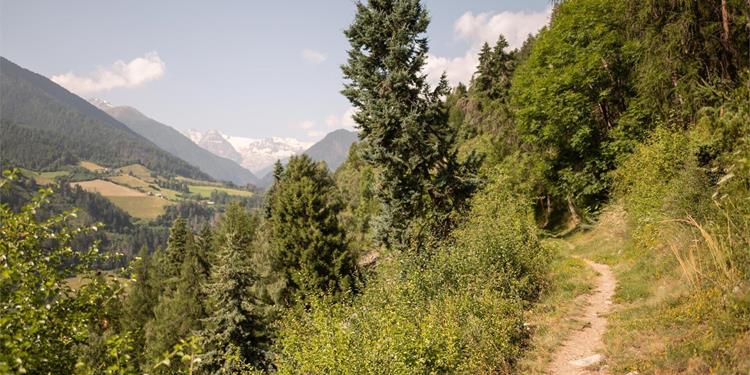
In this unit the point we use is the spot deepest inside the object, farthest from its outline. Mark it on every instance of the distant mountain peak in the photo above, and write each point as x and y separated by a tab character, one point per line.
255	154
101	103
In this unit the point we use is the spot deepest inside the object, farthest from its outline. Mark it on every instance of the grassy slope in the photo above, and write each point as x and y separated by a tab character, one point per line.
146	207
135	190
205	191
660	324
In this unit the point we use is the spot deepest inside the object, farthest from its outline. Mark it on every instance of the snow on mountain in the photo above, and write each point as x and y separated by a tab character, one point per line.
255	154
101	103
194	135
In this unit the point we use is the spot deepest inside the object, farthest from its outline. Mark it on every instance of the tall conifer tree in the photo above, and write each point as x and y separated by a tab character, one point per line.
235	332
180	308
402	120
309	245
140	301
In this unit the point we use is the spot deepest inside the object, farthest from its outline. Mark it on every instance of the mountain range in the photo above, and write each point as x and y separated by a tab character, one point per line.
259	154
44	126
255	154
177	144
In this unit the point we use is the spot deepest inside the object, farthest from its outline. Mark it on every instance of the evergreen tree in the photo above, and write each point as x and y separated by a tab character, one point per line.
482	79
140	301
204	243
309	245
180	307
180	238
402	121
235	331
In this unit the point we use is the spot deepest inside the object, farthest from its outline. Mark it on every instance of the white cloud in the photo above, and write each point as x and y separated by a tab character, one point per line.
315	133
313	56
310	129
118	75
515	26
457	69
342	121
480	28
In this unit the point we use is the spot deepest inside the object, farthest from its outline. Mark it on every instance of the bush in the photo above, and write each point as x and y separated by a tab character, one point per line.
456	309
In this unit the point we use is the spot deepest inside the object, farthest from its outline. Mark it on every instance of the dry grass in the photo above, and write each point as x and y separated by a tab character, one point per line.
108	189
707	258
93	167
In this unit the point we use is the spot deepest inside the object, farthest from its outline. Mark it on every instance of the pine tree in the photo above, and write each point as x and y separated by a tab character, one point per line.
402	121
235	329
309	245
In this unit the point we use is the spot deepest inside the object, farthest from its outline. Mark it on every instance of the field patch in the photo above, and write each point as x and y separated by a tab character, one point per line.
130	181
93	167
44	178
109	189
205	191
137	170
143	207
192	181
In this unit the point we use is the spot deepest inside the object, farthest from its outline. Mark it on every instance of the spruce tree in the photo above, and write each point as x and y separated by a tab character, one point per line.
309	246
402	121
180	307
235	331
179	238
140	301
482	79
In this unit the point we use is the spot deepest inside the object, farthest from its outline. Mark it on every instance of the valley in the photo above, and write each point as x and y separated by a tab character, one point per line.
537	187
137	190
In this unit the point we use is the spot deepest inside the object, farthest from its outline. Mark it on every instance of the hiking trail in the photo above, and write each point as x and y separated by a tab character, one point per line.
580	352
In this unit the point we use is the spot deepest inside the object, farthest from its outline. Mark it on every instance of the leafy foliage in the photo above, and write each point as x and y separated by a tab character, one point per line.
46	324
458	310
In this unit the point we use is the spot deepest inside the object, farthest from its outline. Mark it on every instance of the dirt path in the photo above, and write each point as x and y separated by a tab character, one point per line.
578	355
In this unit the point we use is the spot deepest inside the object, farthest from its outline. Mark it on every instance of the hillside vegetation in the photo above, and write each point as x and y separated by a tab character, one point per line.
455	237
43	126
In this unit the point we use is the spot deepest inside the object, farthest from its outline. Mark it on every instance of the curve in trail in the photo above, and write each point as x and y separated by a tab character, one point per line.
579	353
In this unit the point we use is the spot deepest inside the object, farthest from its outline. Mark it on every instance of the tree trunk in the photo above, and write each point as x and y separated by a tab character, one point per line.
547	210
725	37
573	214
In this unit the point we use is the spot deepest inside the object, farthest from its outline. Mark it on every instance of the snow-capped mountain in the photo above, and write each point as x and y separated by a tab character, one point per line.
101	103
215	142
255	154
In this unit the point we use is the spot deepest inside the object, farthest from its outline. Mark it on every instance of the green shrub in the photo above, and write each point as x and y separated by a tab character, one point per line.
457	309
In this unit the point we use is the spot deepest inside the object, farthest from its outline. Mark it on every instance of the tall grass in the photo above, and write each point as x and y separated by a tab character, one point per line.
709	257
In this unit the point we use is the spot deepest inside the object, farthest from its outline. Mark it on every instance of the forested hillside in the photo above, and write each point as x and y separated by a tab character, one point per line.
44	127
457	237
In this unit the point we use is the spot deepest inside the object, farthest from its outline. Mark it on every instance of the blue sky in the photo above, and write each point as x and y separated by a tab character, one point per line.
246	68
